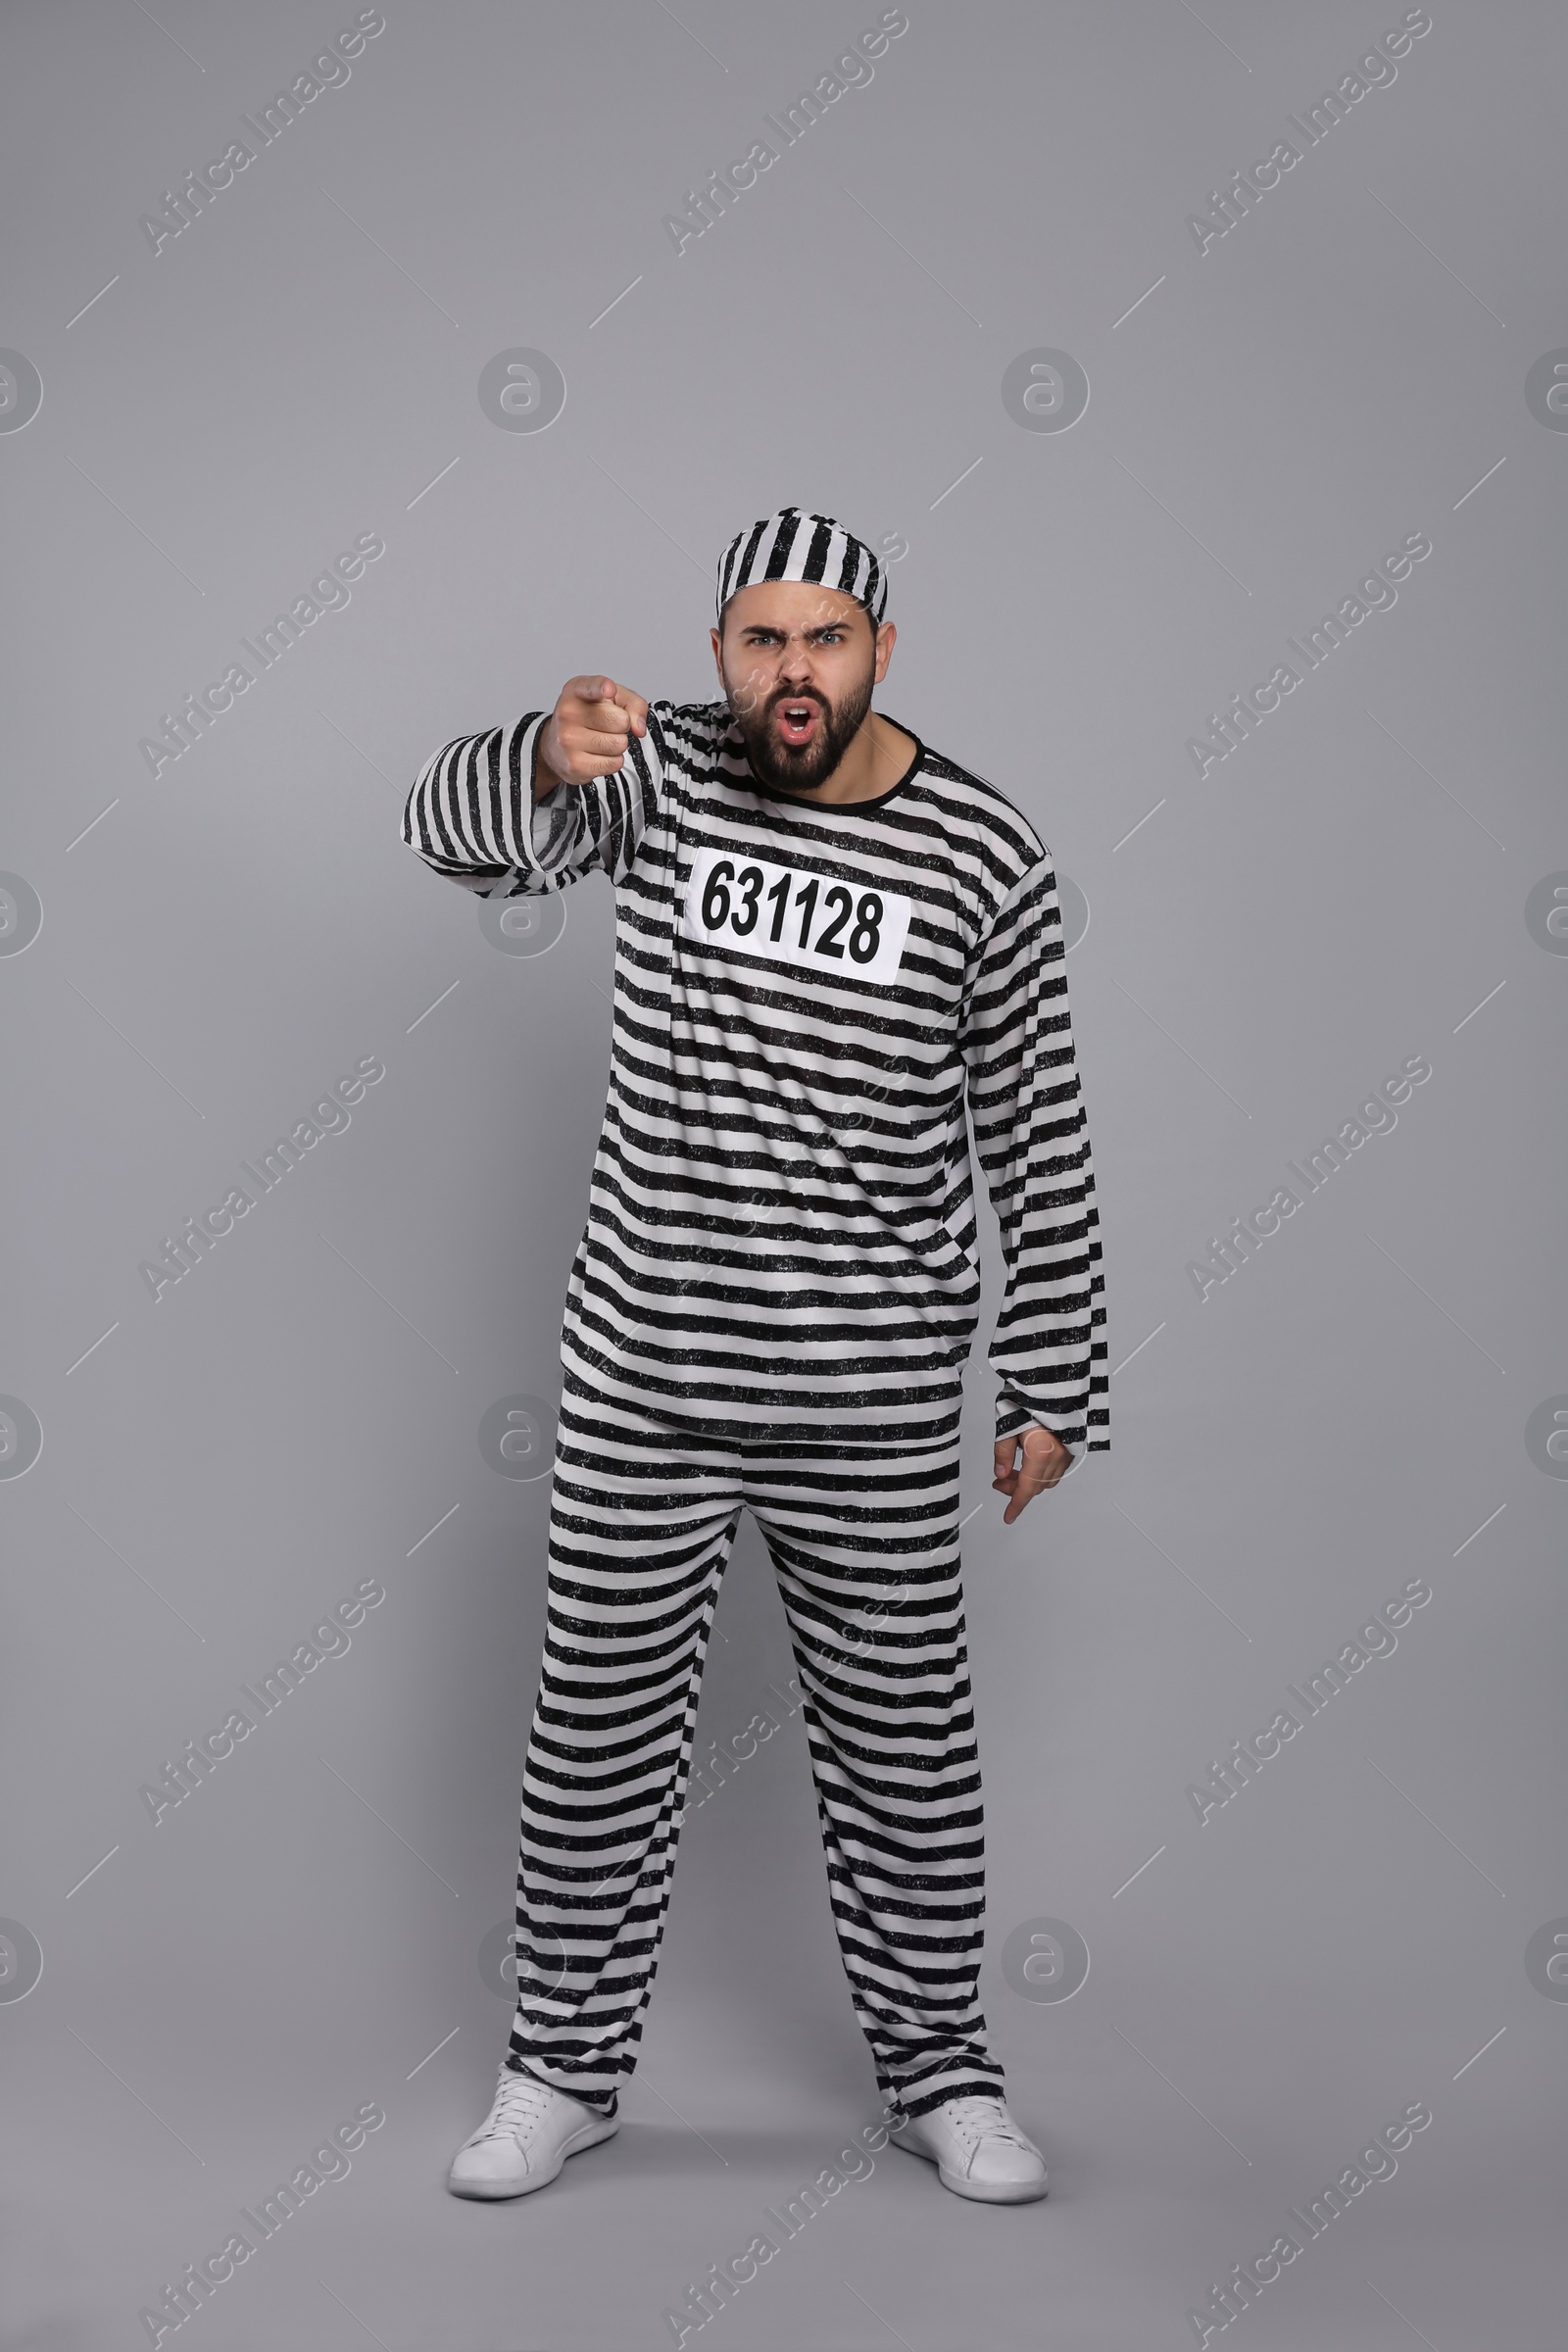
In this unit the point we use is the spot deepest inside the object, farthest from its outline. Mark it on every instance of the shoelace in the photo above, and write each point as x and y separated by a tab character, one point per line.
980	2119
520	2101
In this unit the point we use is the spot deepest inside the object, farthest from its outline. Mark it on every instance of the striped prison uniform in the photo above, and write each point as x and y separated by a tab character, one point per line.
772	1305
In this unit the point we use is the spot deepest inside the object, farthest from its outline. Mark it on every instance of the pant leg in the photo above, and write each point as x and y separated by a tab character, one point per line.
866	1547
641	1524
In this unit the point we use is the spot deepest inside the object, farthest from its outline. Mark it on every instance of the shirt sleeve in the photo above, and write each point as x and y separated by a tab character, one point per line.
472	815
1032	1139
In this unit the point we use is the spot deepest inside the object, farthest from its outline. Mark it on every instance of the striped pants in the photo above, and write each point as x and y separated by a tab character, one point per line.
864	1544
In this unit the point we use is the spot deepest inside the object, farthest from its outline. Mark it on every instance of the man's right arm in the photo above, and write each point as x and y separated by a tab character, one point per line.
535	805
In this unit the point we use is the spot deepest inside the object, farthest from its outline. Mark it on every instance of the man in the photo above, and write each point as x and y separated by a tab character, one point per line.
828	940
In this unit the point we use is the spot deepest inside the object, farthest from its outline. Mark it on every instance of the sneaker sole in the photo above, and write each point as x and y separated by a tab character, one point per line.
490	2190
982	2192
993	2193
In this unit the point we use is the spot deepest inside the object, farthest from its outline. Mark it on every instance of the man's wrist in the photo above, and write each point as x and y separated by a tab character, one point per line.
1013	1416
1025	1427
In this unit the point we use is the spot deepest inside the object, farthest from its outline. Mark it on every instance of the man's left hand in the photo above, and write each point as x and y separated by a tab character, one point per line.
1027	1462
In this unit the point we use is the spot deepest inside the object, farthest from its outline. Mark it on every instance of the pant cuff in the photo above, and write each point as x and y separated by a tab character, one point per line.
919	2098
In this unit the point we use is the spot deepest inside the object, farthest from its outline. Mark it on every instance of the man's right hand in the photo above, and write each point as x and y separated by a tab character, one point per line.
586	733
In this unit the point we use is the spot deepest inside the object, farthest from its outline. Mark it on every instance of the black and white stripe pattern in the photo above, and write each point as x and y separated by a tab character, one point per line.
781	1234
866	1547
792	545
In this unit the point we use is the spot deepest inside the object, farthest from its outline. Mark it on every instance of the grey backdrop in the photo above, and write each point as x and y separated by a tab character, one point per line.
1368	1924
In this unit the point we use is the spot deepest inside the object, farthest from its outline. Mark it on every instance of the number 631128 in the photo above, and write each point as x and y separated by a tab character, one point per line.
786	914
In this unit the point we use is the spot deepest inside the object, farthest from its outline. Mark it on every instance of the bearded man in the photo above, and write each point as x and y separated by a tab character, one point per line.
832	944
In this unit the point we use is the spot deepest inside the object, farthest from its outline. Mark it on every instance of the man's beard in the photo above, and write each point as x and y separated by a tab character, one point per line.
783	768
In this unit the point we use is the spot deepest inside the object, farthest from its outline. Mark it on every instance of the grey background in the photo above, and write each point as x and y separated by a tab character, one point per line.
295	1415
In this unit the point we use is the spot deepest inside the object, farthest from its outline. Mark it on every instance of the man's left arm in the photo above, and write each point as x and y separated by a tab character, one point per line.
1032	1138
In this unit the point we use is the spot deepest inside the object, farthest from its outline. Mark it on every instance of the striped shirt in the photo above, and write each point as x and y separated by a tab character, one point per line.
781	1231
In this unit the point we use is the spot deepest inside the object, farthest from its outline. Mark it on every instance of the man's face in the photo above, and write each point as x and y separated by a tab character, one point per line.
797	663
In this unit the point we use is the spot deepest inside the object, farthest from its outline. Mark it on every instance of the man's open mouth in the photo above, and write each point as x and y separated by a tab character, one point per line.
797	720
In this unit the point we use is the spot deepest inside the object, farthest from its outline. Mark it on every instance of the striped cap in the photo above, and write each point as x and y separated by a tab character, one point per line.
792	545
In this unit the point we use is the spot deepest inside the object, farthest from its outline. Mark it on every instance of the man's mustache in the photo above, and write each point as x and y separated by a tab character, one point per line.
748	703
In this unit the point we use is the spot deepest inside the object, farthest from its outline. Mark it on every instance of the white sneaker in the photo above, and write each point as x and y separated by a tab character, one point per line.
524	2140
978	2151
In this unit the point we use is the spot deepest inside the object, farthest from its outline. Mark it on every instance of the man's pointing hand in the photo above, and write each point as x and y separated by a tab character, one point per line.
1027	1462
586	733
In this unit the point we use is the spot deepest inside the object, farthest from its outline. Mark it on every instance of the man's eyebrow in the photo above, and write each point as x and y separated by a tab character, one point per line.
770	628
